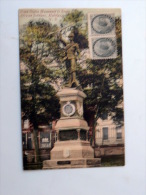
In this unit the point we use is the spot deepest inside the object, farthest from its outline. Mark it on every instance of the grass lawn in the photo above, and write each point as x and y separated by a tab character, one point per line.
109	161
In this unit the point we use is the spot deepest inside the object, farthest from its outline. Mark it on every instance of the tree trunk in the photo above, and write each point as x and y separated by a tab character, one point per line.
36	146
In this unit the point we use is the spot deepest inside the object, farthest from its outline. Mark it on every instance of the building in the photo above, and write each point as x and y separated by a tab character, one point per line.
109	138
46	137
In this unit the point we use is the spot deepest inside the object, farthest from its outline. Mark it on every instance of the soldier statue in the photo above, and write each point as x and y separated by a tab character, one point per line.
72	53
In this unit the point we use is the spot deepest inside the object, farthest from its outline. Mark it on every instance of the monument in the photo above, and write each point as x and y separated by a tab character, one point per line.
72	148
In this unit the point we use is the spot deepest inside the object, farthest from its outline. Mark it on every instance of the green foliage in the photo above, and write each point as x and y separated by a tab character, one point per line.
79	26
39	102
74	17
100	80
109	161
102	83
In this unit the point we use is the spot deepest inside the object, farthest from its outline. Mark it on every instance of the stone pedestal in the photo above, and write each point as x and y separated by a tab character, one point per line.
72	148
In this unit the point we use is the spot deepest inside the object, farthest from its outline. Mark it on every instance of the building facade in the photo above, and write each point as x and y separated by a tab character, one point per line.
46	137
109	138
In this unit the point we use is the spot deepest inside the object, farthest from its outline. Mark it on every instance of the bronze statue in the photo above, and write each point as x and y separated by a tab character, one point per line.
72	52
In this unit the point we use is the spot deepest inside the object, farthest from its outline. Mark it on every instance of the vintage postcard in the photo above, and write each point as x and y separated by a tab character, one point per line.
71	88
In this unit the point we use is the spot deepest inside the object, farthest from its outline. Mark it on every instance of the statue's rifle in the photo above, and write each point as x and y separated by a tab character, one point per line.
59	30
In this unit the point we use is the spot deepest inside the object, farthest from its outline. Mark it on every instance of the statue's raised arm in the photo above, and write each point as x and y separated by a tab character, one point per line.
62	40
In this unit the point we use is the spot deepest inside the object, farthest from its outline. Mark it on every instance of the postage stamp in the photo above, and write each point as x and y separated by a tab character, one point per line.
101	24
103	47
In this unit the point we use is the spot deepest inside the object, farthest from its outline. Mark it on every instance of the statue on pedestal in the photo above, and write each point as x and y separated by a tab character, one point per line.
72	148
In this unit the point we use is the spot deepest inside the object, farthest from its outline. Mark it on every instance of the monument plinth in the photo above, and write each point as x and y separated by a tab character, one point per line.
72	148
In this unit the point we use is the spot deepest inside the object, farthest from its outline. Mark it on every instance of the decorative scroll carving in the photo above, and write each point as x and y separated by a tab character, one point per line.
80	109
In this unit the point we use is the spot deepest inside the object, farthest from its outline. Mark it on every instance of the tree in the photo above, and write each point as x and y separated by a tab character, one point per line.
100	79
39	103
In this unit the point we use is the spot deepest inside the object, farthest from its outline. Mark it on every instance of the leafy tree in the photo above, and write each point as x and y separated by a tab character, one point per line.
39	103
101	79
78	24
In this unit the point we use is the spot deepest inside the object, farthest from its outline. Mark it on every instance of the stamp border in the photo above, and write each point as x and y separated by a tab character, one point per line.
114	54
90	28
110	18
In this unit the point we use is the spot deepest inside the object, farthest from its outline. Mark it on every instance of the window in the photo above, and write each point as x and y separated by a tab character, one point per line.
44	140
27	141
119	133
26	124
24	141
105	133
104	116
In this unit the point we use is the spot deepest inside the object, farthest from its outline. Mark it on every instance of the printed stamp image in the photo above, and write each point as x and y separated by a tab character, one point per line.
103	48
71	81
101	24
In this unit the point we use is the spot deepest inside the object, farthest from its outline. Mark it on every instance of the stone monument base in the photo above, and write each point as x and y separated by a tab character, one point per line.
72	148
72	154
72	163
